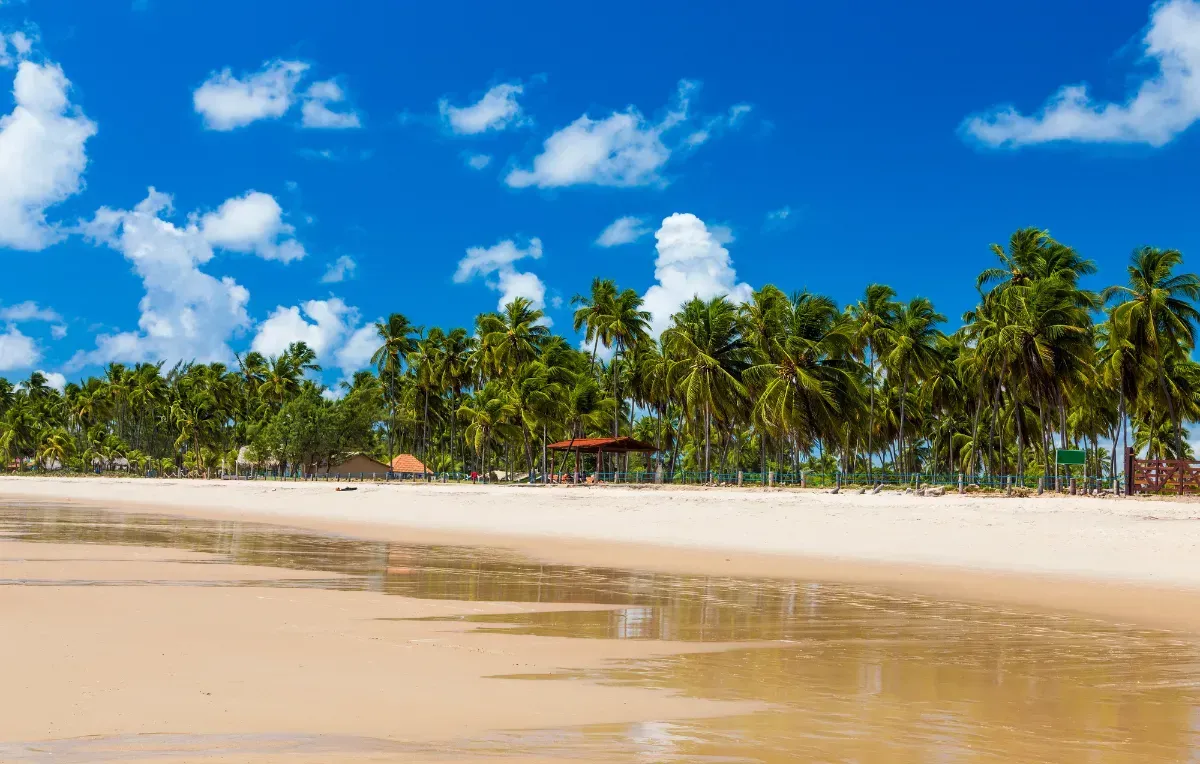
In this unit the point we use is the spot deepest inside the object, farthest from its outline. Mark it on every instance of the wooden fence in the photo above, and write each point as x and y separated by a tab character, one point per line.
1165	476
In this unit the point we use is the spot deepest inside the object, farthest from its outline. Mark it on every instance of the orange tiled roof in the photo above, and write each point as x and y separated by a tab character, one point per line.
408	463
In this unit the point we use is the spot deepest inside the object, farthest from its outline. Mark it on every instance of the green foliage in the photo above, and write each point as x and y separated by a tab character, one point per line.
776	383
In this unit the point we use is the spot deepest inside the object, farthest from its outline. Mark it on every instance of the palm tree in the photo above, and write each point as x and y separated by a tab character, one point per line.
705	339
806	390
487	413
55	447
911	346
593	313
515	335
456	371
873	316
1156	312
399	339
627	327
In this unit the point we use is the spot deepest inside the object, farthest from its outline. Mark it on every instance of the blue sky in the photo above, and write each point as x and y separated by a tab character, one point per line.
807	145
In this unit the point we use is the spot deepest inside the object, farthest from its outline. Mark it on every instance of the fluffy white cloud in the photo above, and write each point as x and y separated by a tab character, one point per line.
287	325
624	230
316	112
17	351
497	110
512	284
42	155
227	102
330	327
356	353
1162	106
335	393
478	161
252	223
339	270
497	264
14	47
28	311
186	314
54	379
691	263
623	149
58	332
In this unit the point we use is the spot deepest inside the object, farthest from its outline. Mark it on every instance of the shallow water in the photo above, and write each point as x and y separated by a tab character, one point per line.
852	673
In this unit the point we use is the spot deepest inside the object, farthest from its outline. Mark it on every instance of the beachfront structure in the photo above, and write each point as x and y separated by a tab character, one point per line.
355	464
600	447
408	466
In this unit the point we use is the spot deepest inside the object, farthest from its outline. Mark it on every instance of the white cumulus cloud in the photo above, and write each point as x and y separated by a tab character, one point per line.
624	230
186	314
17	351
339	270
252	223
623	149
14	47
496	110
54	379
330	327
1161	107
315	111
42	156
497	264
227	102
28	311
478	161
356	352
691	263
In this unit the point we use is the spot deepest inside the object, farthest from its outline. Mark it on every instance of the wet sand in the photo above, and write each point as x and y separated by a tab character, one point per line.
120	643
260	643
1135	561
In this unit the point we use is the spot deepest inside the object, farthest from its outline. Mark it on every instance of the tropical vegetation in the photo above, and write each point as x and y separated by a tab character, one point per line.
782	383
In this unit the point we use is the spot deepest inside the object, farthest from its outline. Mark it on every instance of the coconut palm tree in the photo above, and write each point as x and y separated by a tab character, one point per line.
807	388
911	343
398	338
592	314
628	328
515	335
872	316
705	340
1156	312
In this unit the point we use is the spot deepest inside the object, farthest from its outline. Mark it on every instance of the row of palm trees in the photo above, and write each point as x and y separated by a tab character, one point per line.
780	383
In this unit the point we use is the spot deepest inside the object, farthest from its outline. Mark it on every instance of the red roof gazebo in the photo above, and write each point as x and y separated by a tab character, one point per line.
621	445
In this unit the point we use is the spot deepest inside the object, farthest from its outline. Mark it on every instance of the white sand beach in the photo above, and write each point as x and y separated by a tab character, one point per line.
1037	551
1138	541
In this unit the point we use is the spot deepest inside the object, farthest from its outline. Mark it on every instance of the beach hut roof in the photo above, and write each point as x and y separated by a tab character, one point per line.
408	463
608	445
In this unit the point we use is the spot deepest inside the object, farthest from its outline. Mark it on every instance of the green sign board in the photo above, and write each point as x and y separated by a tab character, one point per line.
1070	456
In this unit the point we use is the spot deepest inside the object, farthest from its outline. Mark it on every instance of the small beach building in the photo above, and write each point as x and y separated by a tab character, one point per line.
408	466
355	464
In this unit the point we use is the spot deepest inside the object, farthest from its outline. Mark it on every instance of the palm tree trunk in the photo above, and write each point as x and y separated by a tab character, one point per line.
1119	430
707	425
903	397
871	416
1162	384
975	432
1020	437
992	429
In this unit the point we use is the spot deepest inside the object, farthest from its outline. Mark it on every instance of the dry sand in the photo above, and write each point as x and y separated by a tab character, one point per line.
1134	560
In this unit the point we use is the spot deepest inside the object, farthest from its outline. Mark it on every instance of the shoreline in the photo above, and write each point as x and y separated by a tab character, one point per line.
1130	561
